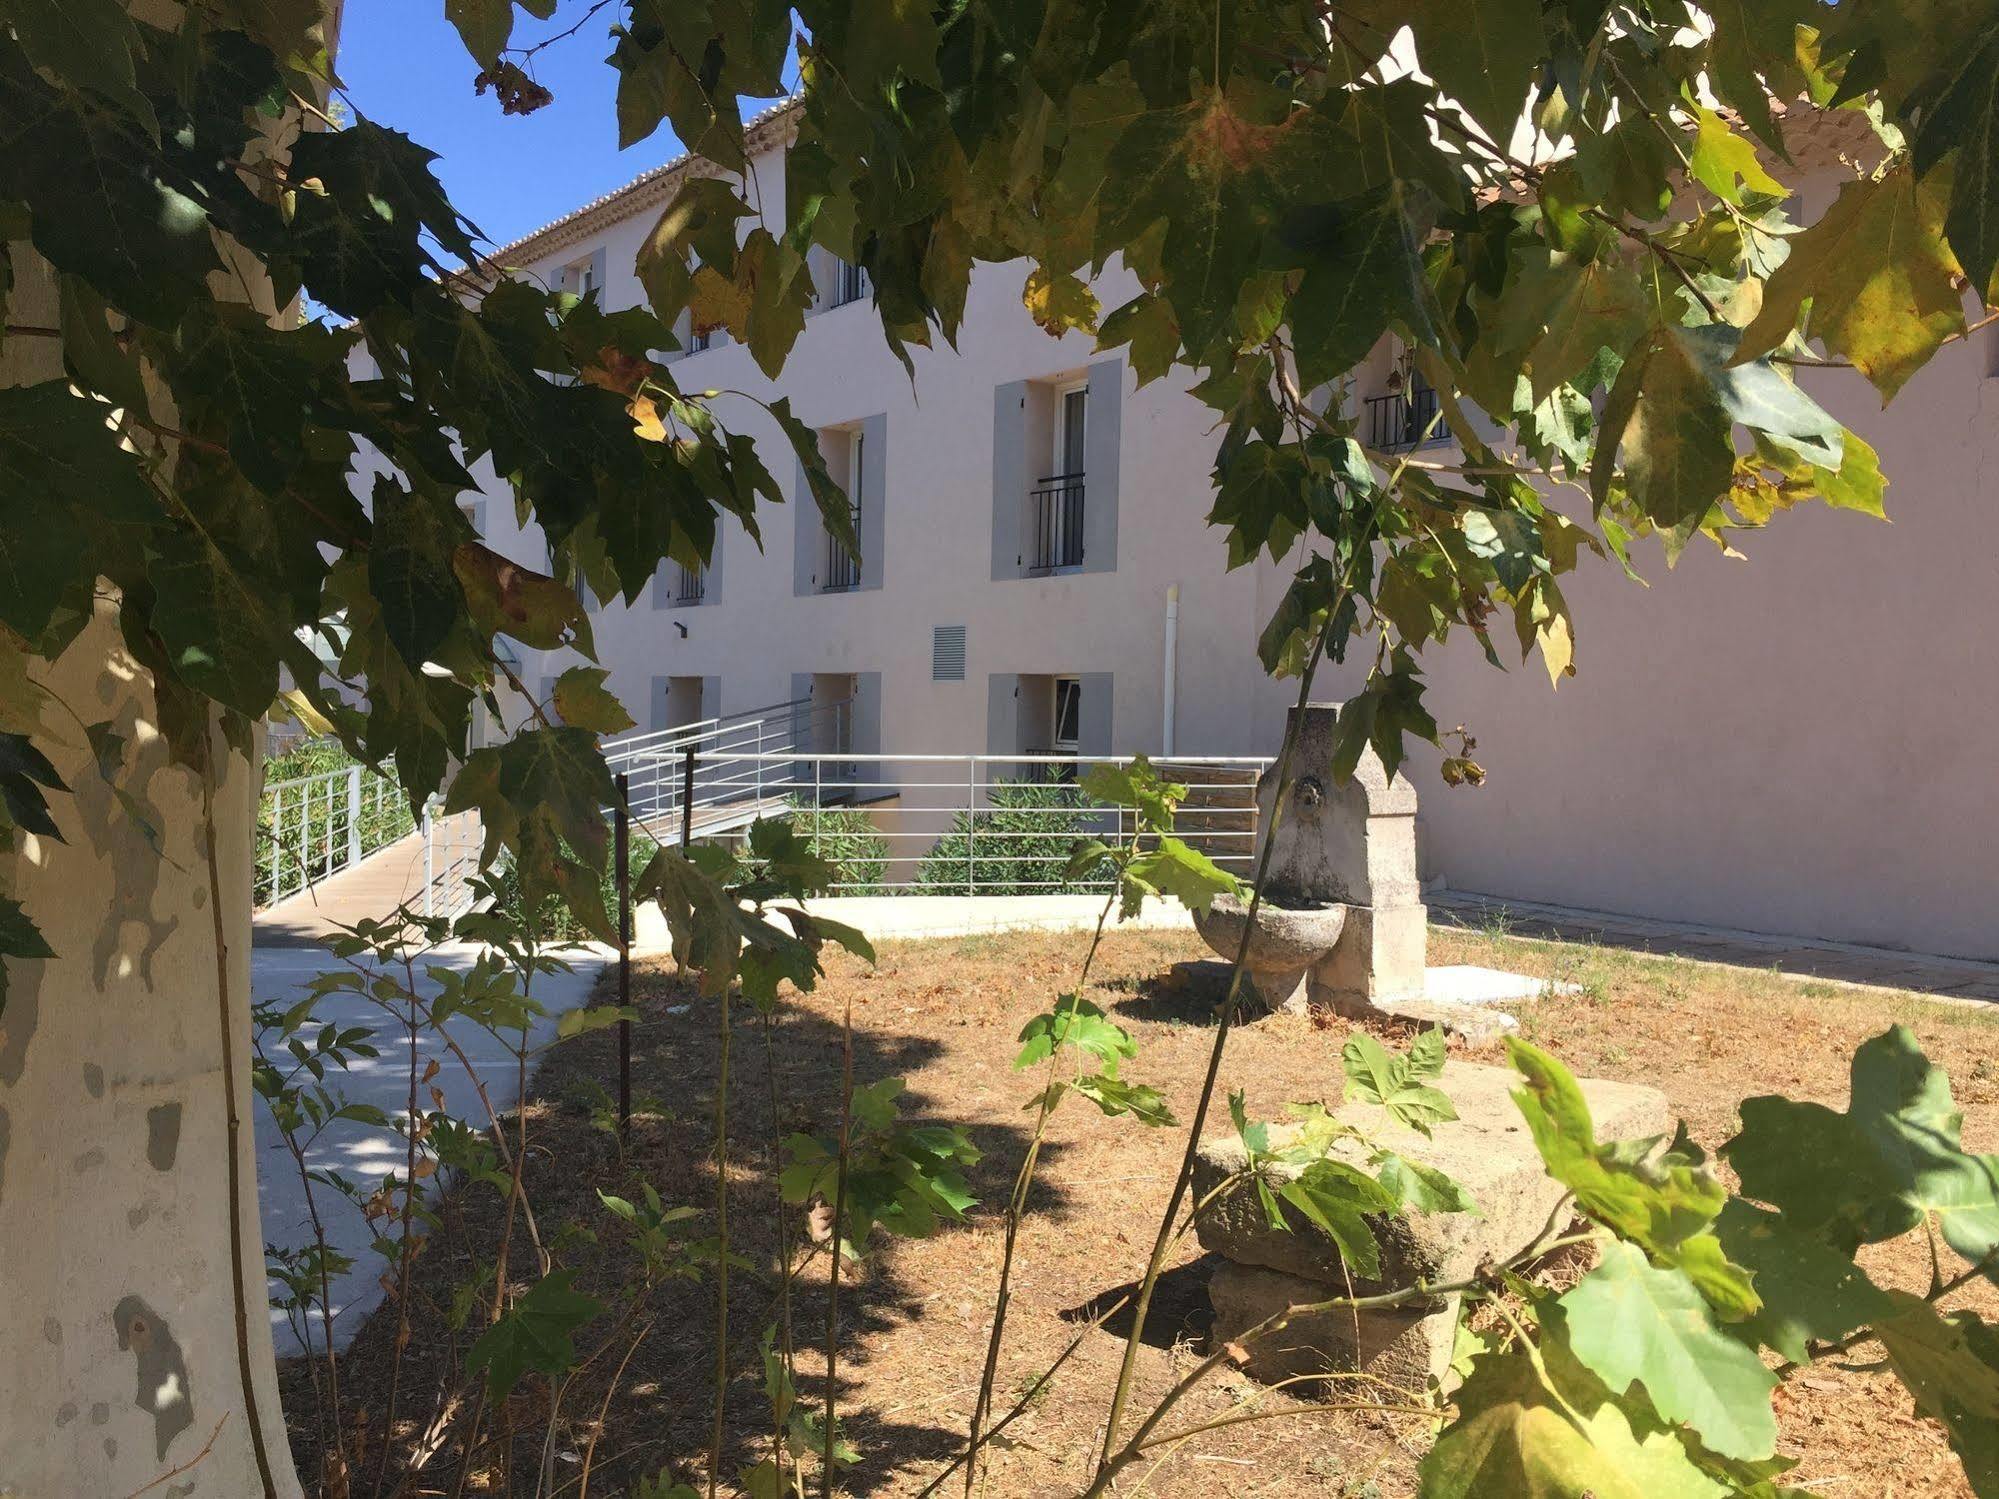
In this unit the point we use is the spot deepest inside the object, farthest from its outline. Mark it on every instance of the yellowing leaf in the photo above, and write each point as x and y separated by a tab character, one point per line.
1879	279
1059	301
1720	156
645	419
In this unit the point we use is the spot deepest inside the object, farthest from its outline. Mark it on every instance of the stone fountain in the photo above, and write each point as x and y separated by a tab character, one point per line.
1342	925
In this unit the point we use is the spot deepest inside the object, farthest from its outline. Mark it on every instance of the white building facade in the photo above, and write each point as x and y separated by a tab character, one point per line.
1796	743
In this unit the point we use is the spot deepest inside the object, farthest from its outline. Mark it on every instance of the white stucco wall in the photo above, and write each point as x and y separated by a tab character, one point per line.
1794	742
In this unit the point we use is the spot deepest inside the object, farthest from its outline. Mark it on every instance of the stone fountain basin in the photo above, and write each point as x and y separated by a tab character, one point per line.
1286	936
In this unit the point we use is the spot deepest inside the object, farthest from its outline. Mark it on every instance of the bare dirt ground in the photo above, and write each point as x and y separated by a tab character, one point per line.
944	1016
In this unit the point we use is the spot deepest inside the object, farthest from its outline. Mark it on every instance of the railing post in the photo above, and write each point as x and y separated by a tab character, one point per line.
760	764
277	843
971	823
353	814
622	828
429	864
304	834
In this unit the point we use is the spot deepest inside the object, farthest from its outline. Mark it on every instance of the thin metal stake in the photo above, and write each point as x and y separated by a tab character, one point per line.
687	802
621	824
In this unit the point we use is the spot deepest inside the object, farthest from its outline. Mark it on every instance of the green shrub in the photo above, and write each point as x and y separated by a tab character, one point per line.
846	838
1020	845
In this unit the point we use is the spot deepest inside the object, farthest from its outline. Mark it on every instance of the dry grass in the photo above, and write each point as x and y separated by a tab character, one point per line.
944	1015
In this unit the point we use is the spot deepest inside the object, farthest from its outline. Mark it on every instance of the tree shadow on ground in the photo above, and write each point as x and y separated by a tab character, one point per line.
783	1078
1180	1312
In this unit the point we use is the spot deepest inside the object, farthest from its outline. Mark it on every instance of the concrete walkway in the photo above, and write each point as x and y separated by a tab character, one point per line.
1797	957
366	1154
374	887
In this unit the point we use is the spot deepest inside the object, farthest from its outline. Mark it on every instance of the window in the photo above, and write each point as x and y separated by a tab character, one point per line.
843	568
1067	716
700	343
1404	415
581	279
690	584
1056	504
850	283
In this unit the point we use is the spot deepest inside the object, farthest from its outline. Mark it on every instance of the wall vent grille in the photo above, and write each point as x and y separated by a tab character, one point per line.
947	653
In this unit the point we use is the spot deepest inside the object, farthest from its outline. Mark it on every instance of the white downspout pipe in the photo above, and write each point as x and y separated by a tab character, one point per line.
1172	667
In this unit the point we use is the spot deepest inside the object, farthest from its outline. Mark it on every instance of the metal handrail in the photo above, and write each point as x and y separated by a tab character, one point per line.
972	801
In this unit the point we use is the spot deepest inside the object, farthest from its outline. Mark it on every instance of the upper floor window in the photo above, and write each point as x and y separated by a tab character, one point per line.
583	278
843	568
701	341
1056	504
690	584
850	283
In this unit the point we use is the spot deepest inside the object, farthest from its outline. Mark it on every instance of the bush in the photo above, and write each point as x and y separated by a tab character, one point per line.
848	839
1020	845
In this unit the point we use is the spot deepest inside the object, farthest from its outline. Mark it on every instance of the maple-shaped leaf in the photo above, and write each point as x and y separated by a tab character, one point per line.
538	1333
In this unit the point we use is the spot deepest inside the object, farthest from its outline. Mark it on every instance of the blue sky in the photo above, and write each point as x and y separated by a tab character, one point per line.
404	65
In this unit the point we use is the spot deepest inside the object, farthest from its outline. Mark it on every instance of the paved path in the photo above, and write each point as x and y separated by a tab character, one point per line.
365	1154
374	887
1800	957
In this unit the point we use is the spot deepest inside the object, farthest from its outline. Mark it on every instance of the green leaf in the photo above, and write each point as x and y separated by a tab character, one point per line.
1878	279
91	351
581	1022
20	939
1810	1291
1337	1198
1395	1083
1629	1321
56	446
1484	56
1137	785
409	572
1173	868
1425	1189
483	25
218	612
1073	1022
1146	324
536	1333
1961	122
1517	1436
255	384
584	702
1667	424
1363	270
1664	1203
102	206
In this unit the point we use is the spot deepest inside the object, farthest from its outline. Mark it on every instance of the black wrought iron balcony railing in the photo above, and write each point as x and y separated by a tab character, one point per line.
1404	419
690	585
1055	509
843	568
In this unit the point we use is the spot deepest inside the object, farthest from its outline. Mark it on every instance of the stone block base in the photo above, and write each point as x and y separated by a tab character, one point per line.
1486	1149
1405	1348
